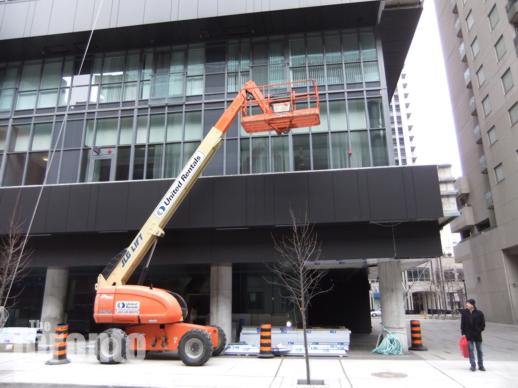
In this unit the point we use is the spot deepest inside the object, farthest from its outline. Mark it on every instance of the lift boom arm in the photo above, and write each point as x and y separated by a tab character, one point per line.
129	259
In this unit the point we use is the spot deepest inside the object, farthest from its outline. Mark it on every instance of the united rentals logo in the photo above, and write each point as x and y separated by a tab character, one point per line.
180	183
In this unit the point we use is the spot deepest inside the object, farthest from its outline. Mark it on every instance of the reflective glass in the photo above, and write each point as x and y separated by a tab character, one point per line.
141	129
174	127
154	161
244	156
8	77
51	77
173	160
350	47
353	73
357	119
320	151
188	150
315	50
297	52
110	93
368	45
6	99
41	137
26	100
47	98
323	119
130	91
301	153
138	162
339	150
335	75
19	137
280	154
126	134
79	95
379	148
106	132
113	69
30	76
333	49
337	115
260	155
371	72
3	136
157	128
89	134
36	168
359	149
132	67
193	128
69	166
375	107
15	164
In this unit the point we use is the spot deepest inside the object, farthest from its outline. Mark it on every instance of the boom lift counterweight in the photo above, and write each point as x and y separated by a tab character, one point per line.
159	314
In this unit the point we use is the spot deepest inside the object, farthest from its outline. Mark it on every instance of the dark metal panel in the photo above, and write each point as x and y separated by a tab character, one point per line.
427	192
409	193
229	202
57	211
259	199
40	219
346	195
320	198
201	205
143	197
290	193
112	206
78	208
364	195
387	201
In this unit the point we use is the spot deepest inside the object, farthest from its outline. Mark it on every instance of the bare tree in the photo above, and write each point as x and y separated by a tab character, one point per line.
14	261
295	273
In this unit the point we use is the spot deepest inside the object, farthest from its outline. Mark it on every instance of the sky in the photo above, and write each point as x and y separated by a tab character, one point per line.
429	97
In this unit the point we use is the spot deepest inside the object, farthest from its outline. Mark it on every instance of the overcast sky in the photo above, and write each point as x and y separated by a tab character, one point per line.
435	139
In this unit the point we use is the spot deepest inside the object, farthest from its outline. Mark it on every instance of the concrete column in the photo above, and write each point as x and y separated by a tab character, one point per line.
54	298
392	300
221	297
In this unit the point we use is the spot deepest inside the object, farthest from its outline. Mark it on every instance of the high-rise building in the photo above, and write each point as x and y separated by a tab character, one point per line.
400	122
124	119
479	40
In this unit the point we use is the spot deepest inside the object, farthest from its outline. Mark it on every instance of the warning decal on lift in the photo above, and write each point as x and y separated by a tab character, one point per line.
127	307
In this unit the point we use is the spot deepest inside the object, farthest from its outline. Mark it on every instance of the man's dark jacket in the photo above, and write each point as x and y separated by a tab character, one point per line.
472	324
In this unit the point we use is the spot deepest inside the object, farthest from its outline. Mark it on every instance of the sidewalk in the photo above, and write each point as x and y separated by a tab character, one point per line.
441	366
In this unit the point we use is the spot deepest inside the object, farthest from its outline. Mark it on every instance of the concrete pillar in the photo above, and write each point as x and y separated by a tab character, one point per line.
54	298
392	300
221	297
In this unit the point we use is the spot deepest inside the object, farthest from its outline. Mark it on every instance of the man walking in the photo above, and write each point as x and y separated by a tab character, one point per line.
472	325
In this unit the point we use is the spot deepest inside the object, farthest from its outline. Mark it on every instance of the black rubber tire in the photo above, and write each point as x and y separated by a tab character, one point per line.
113	354
195	347
222	343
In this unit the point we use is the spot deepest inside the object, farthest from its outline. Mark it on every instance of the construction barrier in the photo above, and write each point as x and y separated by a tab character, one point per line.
60	346
265	348
415	334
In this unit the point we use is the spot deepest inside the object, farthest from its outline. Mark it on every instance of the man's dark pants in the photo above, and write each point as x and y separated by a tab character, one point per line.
478	346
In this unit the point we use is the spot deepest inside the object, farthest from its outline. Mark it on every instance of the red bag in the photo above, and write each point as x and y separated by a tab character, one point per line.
464	346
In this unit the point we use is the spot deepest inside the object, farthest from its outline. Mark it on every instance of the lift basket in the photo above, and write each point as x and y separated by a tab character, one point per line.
288	105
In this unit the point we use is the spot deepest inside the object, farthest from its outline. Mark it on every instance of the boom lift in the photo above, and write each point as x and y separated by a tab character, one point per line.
159	314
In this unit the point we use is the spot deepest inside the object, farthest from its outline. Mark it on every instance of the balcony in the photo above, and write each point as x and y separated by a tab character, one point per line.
483	164
465	221
453	6
472	106
512	11
458	28
489	200
478	136
462	186
467	78
462	52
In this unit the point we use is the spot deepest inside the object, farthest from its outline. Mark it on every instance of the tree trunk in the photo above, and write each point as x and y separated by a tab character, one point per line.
306	354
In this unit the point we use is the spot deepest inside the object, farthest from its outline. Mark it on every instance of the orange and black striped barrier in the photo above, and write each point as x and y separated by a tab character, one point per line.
415	334
60	346
265	343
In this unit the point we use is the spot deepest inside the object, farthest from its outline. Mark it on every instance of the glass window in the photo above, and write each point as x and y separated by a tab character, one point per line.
353	73
297	52
6	99
147	68
113	69
491	134
193	127
8	77
126	134
132	67
375	108
475	48
260	158
337	115
3	136
110	93
157	128
79	95
371	72
20	137
176	84
101	170
15	164
141	131
335	75
69	166
470	20
130	91
500	47
320	151
368	45
486	105
315	50
280	154
297	74
493	17
188	150
507	80
357	119
41	137
195	63
36	168
89	134
231	157
359	151
106	132
173	160
301	153
138	163
73	133
276	53
339	149
277	74
244	156
499	173
513	114
333	48
379	148
317	73
177	61
323	119
51	77
351	48
174	127
260	53
47	98
481	77
30	76
154	161
26	100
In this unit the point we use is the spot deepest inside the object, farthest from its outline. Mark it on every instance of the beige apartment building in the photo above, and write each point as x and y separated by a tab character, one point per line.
479	40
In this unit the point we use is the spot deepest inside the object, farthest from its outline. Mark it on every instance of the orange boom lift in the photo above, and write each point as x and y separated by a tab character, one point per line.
156	316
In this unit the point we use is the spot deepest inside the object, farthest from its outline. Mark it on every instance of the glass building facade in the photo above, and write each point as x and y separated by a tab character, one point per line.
139	114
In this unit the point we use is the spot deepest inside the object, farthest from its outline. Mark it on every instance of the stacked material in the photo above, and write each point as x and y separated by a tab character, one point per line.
19	339
321	342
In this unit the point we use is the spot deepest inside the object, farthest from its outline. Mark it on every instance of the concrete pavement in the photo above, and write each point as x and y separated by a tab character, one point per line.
441	366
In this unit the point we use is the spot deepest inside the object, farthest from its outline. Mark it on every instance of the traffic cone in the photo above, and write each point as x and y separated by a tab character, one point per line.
415	334
265	343
60	346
